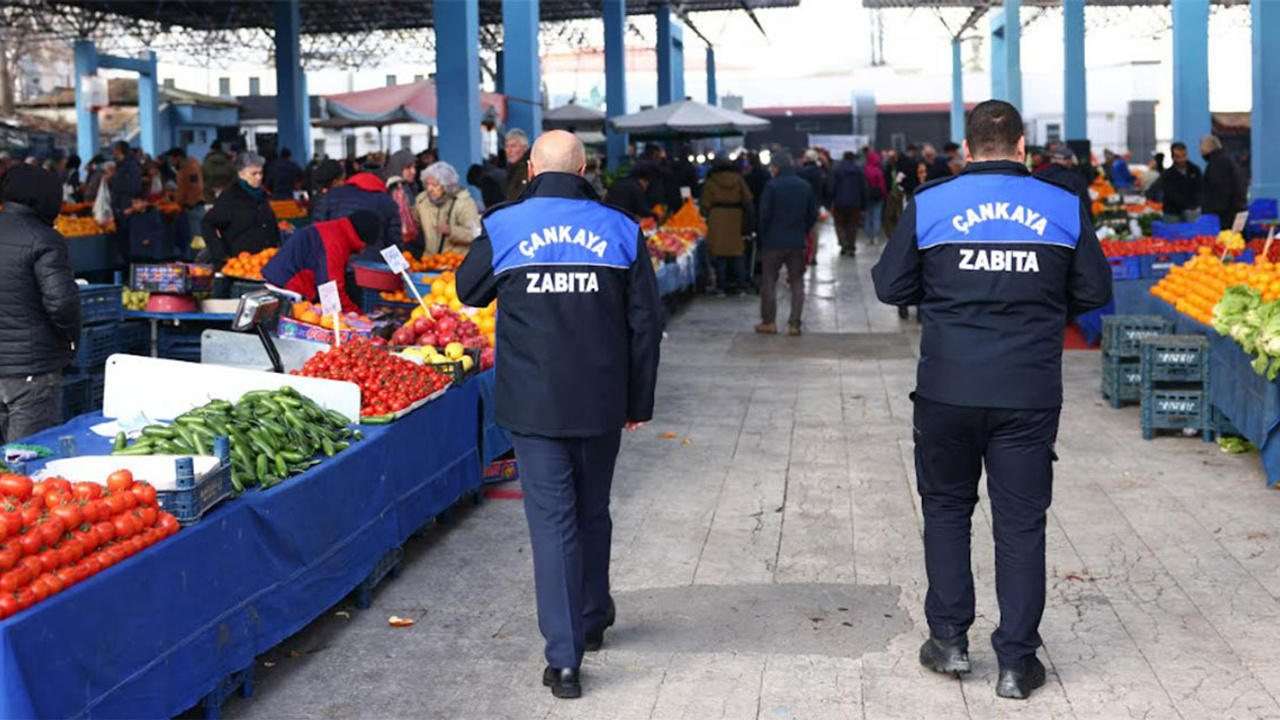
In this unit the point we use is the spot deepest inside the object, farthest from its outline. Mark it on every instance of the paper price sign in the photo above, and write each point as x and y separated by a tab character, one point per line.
329	302
395	260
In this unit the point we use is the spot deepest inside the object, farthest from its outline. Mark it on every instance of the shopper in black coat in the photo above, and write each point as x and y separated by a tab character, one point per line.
1181	186
39	303
628	193
1226	189
241	220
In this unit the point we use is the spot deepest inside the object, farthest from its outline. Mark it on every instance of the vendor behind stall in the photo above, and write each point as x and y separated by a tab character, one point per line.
319	252
241	219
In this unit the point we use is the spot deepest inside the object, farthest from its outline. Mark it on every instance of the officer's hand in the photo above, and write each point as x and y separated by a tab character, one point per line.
633	426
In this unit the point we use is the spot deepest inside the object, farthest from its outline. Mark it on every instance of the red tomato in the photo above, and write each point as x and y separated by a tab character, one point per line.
70	515
16	486
72	550
55	498
12	521
106	532
26	598
137	544
8	605
8	558
50	560
31	514
59	484
39	489
14	579
168	523
52	581
119	481
39	590
51	530
87	491
145	493
66	576
129	499
30	542
148	515
32	565
115	504
123	526
118	553
88	537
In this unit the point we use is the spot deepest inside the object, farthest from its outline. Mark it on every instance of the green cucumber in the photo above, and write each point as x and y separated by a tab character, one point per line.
377	419
261	469
282	466
121	442
328	447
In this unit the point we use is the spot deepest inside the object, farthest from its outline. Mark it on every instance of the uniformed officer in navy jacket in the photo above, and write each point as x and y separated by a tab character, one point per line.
579	323
998	261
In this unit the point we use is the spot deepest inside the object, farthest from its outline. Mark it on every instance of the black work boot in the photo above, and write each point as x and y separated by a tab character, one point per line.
1017	683
564	682
946	656
595	635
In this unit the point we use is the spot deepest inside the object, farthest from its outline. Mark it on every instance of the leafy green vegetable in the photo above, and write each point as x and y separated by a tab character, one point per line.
1235	445
1255	325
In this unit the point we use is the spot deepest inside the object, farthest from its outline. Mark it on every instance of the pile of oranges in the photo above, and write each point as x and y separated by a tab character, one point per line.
248	266
399	296
76	226
311	314
288	209
1196	287
442	261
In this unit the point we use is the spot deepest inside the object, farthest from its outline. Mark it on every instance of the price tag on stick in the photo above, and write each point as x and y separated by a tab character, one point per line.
398	264
330	305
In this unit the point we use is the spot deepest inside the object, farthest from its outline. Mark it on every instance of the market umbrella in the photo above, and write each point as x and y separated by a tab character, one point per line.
573	117
394	104
687	118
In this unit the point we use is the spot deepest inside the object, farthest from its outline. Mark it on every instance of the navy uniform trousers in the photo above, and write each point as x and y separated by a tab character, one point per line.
566	486
952	444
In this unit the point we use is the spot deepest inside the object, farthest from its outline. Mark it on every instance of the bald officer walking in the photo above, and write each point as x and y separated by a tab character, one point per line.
998	261
578	333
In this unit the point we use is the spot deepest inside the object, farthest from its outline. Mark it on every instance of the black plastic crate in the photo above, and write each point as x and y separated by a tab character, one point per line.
1175	359
1121	380
178	343
75	395
1122	334
97	342
101	304
1174	409
134	338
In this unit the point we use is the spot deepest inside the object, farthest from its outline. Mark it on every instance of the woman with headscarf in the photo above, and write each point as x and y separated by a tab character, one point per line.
241	219
726	199
401	170
446	211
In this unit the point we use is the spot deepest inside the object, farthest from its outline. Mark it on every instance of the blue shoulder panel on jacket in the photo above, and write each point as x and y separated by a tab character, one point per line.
997	208
560	231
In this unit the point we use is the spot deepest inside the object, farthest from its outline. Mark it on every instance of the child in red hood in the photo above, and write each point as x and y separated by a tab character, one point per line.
319	253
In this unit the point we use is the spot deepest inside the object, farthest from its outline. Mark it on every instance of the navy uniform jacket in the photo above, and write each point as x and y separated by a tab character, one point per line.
998	261
579	314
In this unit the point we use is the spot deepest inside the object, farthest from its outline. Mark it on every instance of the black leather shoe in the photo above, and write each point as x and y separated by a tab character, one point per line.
564	682
946	656
595	635
1017	683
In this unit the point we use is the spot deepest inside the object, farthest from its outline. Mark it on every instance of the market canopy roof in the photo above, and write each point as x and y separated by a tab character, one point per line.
688	118
572	117
370	15
997	4
394	104
124	91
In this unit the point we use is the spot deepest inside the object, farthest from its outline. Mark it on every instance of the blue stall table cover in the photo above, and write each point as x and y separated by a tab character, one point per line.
151	636
1130	297
495	441
1248	399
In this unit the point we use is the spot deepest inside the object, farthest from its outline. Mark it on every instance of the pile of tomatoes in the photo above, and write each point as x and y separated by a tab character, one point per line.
387	383
1150	246
54	534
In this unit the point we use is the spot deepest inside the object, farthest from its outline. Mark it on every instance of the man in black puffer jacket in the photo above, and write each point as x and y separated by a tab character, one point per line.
39	303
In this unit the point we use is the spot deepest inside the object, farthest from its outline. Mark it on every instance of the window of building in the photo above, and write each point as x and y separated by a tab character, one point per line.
186	138
350	142
391	80
224	86
898	141
406	142
254	86
1052	132
317	148
168	83
419	78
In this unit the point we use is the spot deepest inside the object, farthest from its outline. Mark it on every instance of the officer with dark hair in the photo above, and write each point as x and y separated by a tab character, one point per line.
577	362
998	261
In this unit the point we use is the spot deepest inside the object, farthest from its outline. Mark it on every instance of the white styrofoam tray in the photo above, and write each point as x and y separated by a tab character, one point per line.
156	469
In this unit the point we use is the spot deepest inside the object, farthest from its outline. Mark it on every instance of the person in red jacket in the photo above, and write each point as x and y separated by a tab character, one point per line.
318	253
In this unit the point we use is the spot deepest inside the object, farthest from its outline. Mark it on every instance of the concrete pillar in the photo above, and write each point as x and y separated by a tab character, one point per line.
521	76
957	93
293	108
457	29
86	61
615	74
1191	118
1075	100
1006	54
149	108
670	51
712	98
999	79
1265	125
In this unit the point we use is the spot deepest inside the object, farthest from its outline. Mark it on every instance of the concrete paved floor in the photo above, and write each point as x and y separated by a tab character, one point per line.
771	566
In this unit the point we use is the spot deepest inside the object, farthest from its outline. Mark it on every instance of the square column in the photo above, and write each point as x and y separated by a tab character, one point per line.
712	98
670	51
957	93
293	107
521	76
1006	54
1075	100
149	108
1265	151
1191	119
615	75
457	29
86	60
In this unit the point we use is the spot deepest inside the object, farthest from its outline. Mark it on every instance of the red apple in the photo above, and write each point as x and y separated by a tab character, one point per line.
427	339
446	325
439	311
447	337
422	324
378	340
486	358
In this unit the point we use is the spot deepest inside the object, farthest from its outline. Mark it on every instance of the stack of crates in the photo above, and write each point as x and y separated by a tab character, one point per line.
1175	385
101	312
1122	354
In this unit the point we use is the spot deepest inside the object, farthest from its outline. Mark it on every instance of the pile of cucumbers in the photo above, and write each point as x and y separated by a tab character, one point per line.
273	435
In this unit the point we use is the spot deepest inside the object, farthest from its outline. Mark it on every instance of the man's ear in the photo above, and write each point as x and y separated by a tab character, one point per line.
964	147
1022	149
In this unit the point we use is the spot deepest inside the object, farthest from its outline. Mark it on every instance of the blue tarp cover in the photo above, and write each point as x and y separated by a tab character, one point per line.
151	636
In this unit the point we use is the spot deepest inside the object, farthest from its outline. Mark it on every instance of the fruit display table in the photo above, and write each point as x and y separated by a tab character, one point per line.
152	636
1247	398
